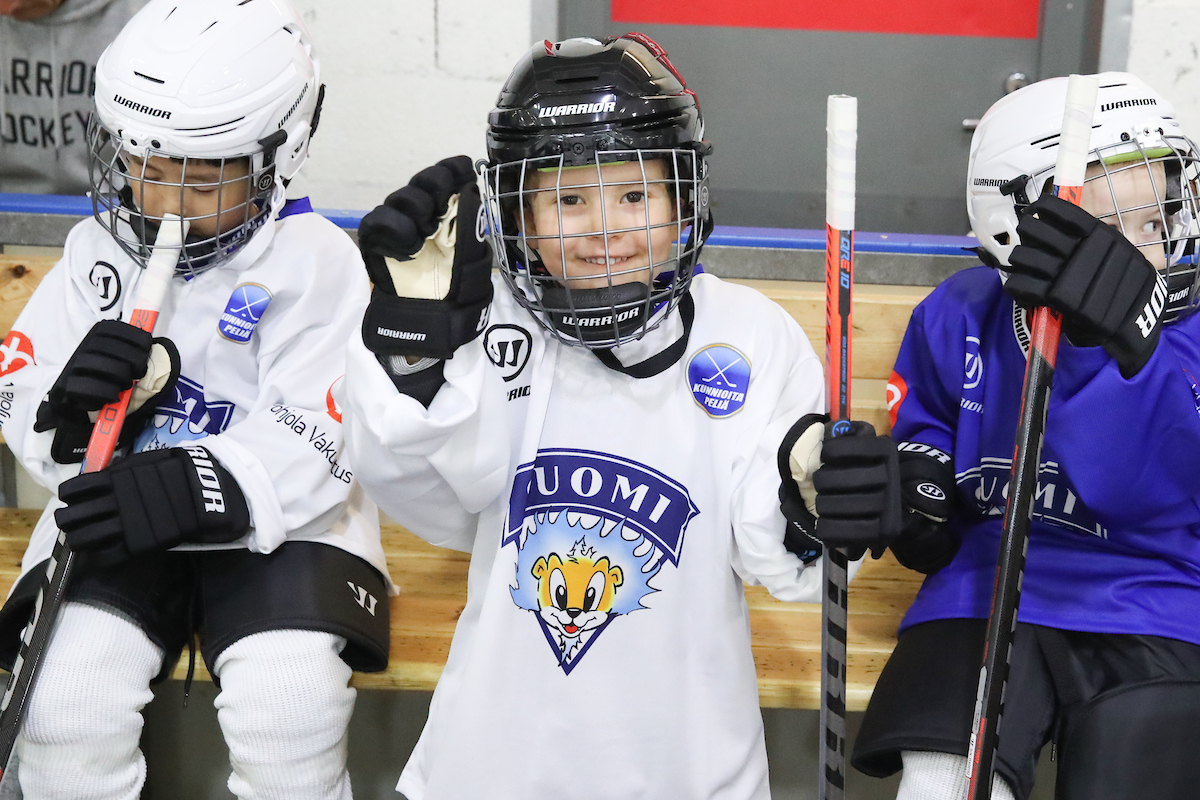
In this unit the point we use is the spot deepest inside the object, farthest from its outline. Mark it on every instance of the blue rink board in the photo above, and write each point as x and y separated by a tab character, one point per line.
722	235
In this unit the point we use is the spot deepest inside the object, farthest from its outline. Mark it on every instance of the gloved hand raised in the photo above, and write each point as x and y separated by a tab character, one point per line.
1108	293
430	264
839	486
153	500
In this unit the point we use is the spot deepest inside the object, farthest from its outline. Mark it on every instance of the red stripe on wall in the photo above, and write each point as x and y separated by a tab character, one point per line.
1008	19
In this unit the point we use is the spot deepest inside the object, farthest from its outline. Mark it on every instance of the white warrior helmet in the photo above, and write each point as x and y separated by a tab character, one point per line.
224	82
1013	154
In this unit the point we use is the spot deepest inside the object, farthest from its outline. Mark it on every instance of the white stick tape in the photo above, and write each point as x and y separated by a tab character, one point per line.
168	249
841	128
1073	144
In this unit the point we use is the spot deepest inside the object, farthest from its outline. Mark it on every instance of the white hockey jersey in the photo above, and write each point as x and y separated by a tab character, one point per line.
261	341
604	651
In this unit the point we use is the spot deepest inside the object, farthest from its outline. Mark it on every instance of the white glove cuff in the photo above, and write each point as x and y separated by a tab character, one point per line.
804	460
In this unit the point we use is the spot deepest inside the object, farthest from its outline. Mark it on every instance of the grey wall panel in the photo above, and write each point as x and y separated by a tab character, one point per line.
763	94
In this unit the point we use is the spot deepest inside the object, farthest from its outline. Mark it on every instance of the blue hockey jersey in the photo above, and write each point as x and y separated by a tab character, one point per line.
1115	541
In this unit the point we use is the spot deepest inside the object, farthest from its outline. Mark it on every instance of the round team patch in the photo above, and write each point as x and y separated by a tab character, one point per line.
243	312
719	377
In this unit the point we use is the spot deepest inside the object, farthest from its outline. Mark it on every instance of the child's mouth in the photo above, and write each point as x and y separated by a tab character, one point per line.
612	261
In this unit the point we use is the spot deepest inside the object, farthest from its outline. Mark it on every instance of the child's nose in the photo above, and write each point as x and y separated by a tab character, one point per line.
156	199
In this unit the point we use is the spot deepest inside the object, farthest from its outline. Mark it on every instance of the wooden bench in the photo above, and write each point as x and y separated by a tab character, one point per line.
786	636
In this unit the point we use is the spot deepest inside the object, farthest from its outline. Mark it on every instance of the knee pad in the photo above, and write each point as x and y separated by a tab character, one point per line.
284	708
1132	742
79	738
940	776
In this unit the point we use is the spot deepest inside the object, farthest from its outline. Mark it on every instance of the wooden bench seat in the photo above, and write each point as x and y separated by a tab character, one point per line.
786	636
433	591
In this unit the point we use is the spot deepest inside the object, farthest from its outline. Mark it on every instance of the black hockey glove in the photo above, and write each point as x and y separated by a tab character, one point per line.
70	410
110	358
152	501
1108	293
432	268
927	490
839	487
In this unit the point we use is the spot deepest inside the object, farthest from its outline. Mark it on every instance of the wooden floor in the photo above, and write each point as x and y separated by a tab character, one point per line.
432	581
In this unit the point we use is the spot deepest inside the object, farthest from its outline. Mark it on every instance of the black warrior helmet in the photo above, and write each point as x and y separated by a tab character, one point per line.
596	189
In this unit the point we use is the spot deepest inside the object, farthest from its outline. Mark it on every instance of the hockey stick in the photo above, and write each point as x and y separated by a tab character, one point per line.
841	128
1069	172
152	288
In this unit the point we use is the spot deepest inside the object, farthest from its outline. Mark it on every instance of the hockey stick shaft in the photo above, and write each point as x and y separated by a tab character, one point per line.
1069	175
842	135
35	638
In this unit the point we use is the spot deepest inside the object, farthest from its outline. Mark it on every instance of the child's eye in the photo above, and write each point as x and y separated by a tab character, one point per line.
636	196
1152	227
570	200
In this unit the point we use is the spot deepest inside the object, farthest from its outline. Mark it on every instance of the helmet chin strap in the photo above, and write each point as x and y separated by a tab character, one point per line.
662	360
598	315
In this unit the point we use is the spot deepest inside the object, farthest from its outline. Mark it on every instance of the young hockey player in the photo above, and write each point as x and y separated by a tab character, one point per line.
203	110
600	433
1106	660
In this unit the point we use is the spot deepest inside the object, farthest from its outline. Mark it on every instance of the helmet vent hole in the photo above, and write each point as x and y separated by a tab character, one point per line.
156	144
1001	238
577	75
1124	137
147	77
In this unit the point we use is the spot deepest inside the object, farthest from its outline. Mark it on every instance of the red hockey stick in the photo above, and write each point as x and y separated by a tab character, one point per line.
1069	174
841	129
152	288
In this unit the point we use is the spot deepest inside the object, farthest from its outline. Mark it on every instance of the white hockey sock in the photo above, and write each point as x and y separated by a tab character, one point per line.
284	708
940	776
79	740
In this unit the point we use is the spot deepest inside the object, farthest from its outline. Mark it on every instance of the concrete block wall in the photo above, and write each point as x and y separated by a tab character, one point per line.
408	82
411	81
1164	50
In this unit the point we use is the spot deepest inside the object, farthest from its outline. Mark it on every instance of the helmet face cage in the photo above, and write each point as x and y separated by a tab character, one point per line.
655	247
230	198
1146	187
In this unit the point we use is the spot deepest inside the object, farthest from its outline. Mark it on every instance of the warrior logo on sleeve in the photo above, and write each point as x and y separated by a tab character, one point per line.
592	530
